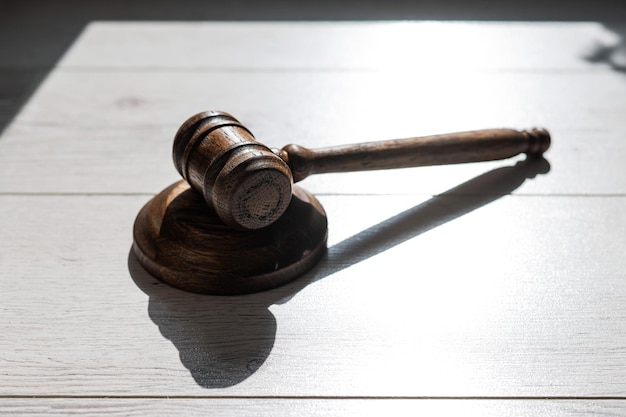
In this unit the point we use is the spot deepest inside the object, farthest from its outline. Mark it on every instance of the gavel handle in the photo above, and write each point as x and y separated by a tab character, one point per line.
454	148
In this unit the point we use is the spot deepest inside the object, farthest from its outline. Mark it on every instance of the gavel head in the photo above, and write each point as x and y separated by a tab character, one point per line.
247	184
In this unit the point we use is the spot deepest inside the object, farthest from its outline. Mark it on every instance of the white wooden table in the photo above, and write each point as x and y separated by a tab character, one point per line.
482	289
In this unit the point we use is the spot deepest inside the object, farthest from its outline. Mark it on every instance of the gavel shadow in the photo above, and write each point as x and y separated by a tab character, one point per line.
223	340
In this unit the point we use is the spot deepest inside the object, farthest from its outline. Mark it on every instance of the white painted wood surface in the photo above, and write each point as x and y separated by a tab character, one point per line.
297	407
311	47
508	287
141	111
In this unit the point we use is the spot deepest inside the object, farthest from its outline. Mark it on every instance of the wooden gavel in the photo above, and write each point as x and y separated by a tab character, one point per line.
259	230
250	185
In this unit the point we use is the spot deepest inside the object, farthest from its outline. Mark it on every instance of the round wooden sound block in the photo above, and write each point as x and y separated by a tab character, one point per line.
180	240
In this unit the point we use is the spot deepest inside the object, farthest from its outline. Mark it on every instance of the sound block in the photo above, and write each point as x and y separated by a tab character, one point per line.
180	240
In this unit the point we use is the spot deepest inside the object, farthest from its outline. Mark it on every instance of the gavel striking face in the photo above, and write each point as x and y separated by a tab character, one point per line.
250	186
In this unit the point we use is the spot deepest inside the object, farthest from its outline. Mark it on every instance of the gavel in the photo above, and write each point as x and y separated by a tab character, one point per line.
249	185
238	224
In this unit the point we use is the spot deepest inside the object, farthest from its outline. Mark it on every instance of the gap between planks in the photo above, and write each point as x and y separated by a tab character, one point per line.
324	194
321	398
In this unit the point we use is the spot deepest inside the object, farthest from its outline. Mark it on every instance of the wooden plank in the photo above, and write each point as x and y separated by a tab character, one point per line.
108	132
297	407
70	160
349	45
346	106
454	296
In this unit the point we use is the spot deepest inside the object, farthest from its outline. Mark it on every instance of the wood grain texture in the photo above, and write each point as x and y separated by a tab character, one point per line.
181	241
62	134
157	407
247	185
334	45
509	285
486	299
133	99
442	149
